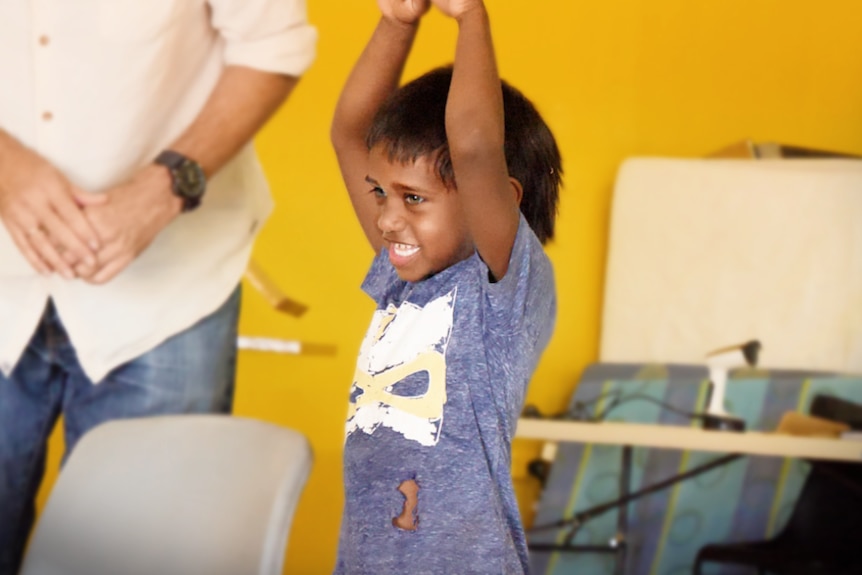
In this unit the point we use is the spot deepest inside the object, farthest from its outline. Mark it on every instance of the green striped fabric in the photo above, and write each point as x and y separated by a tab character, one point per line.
749	498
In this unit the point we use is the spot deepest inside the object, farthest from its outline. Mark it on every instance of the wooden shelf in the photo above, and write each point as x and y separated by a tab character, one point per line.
691	438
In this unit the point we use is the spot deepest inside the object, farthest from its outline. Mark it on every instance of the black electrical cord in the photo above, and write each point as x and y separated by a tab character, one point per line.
579	411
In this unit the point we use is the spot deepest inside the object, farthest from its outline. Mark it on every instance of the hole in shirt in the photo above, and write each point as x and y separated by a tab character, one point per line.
409	518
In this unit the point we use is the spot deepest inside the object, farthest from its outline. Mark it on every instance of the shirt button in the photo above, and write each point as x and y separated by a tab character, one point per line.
44	40
47	116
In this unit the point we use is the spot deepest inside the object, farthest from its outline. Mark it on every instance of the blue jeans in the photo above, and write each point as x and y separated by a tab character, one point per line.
192	372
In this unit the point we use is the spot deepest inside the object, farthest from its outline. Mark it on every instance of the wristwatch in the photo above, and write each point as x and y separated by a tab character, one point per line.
188	181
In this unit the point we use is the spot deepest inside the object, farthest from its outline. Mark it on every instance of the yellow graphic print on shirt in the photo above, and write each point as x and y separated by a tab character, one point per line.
402	342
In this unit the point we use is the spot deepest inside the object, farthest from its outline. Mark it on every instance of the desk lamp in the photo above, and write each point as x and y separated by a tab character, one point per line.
719	363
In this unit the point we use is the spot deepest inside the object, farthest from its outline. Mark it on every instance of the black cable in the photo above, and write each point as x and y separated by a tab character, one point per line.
621	400
578	411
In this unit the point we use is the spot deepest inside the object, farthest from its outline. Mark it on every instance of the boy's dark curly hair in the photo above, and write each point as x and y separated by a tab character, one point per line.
412	124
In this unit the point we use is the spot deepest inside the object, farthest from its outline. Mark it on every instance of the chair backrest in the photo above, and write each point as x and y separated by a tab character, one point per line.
174	495
837	409
824	516
703	253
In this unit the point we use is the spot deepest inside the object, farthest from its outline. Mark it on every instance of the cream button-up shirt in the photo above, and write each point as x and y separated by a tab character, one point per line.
99	88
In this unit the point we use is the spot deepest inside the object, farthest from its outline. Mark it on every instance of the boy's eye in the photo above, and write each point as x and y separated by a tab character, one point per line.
378	192
413	199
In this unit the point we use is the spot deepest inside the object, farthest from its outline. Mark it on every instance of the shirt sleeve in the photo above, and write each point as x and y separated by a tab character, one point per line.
380	277
268	35
524	302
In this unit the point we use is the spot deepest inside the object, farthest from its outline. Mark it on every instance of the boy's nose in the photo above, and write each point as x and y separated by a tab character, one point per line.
390	219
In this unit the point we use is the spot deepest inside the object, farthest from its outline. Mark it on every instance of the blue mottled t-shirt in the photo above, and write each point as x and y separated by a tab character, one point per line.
438	388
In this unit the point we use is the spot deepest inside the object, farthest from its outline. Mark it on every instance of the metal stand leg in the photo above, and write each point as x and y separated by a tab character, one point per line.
623	513
619	545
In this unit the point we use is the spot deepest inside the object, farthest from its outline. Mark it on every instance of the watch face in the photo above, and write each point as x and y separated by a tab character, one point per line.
190	180
187	177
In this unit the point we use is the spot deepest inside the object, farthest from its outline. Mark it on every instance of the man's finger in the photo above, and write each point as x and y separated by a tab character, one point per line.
42	245
28	252
61	234
65	205
110	270
108	259
84	199
85	272
68	256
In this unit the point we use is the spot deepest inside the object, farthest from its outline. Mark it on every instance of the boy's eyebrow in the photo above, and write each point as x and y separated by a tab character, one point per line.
403	188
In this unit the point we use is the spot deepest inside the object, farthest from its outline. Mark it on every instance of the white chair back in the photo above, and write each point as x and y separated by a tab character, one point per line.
173	495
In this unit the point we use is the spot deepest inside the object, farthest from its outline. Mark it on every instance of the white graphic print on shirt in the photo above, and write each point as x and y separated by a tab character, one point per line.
400	379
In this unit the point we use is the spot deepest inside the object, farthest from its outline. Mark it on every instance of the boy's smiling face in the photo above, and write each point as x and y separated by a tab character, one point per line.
421	220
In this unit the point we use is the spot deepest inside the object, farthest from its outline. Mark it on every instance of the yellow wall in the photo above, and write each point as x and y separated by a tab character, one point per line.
613	78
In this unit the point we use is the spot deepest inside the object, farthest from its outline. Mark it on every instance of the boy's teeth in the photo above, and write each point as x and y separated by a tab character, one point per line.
404	249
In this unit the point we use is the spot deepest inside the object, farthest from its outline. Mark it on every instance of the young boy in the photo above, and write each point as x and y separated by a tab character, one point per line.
465	299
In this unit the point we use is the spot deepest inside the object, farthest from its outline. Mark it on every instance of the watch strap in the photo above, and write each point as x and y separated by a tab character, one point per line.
178	167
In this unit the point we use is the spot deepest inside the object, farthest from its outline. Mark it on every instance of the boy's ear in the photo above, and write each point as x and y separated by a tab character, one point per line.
517	189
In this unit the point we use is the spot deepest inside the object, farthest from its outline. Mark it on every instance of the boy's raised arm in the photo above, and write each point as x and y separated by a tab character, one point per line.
476	133
374	76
